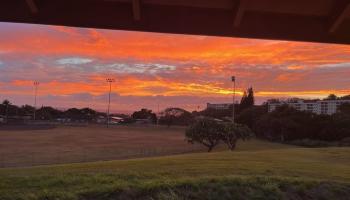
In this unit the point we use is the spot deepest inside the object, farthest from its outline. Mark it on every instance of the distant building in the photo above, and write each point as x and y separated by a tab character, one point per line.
327	107
219	106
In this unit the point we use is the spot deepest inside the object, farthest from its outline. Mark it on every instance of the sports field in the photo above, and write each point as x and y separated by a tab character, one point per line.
65	144
257	170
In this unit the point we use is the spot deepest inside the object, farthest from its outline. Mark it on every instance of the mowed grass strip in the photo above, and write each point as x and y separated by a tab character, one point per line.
279	167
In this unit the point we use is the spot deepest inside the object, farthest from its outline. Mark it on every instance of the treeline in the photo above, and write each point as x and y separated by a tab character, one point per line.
8	110
285	124
288	124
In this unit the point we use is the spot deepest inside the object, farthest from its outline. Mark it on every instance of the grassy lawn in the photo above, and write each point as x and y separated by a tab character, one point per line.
257	170
65	144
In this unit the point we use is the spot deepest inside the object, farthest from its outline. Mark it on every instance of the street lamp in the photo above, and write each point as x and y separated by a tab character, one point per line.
36	84
233	78
110	81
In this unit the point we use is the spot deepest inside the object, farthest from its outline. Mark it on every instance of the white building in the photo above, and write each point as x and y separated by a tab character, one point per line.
219	106
328	107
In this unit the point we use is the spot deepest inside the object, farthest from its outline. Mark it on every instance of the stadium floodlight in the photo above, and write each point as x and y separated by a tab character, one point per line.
36	84
110	81
233	78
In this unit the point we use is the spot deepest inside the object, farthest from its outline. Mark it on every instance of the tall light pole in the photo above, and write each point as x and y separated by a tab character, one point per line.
110	81
233	98
36	84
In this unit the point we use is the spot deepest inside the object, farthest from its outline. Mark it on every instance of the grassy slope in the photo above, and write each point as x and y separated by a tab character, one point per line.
263	169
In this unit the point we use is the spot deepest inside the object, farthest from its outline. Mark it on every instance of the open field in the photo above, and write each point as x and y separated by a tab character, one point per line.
65	144
257	170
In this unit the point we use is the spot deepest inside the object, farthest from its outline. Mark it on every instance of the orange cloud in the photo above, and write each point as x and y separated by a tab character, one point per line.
289	77
201	66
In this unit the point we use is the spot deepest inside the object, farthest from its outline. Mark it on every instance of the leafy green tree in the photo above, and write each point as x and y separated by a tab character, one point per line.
233	132
205	131
209	132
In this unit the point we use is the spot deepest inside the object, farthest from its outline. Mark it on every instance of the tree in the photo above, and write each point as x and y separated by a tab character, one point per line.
250	115
26	110
344	108
247	99
250	97
209	132
205	131
145	114
346	97
48	113
8	109
232	132
175	116
331	97
74	114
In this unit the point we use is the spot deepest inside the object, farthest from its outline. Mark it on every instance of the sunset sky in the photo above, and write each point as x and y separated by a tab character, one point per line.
72	65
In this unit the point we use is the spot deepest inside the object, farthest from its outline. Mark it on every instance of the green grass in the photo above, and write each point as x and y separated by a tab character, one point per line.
257	170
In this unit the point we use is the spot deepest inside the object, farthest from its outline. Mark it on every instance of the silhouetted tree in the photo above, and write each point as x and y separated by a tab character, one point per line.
26	110
247	99
205	131
331	97
233	132
250	115
175	116
145	114
209	132
346	97
47	113
288	124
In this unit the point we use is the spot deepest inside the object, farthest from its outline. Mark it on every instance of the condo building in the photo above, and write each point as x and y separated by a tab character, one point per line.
327	107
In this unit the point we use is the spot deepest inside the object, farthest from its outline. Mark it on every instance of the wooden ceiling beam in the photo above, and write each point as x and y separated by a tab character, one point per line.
339	18
32	6
241	7
136	9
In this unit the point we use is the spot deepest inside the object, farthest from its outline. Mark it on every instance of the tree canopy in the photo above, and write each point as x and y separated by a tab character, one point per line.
175	116
145	114
209	132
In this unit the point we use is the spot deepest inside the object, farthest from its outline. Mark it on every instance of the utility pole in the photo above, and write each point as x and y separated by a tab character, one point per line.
36	84
110	81
233	98
158	114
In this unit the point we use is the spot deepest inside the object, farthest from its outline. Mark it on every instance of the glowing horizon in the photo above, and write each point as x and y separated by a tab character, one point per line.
187	71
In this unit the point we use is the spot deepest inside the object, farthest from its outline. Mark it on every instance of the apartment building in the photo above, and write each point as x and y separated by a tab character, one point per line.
327	107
